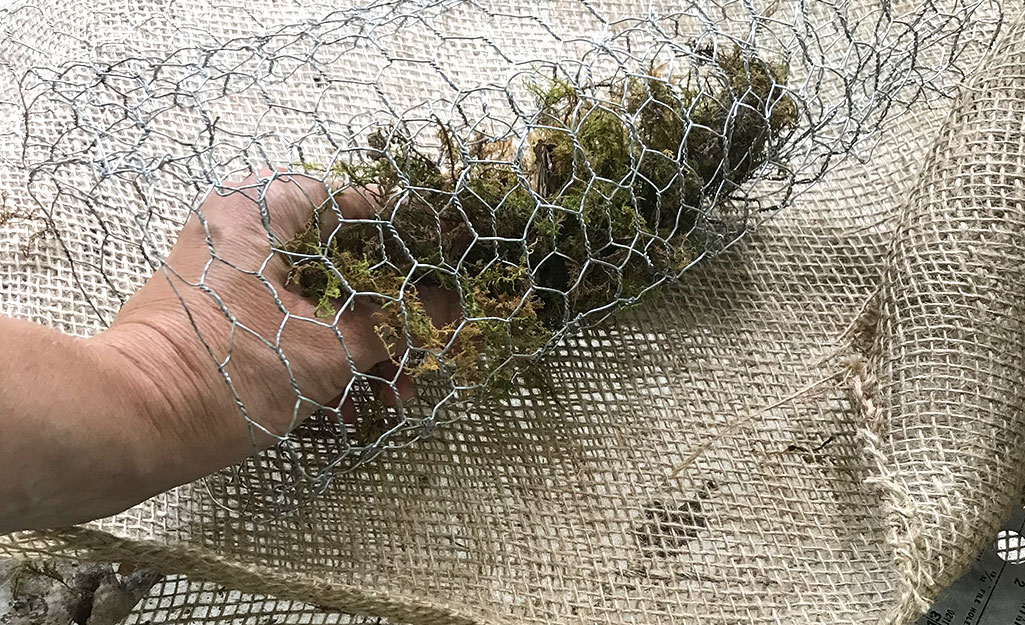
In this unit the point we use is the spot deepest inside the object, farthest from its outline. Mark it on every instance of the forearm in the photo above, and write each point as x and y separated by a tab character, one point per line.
76	441
177	388
91	427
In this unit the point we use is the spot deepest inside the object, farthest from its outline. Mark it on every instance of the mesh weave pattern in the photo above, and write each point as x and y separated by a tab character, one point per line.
789	433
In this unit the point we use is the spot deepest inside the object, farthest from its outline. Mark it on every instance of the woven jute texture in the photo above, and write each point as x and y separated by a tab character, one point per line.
822	425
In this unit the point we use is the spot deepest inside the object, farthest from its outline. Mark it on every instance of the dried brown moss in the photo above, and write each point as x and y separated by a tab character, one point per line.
594	211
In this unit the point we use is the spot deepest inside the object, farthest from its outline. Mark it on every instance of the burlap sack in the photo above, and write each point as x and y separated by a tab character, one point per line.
822	425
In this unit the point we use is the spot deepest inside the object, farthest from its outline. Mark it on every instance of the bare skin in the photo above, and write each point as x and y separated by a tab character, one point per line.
94	426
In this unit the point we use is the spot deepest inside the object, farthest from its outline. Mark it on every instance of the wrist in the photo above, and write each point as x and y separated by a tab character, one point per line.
176	394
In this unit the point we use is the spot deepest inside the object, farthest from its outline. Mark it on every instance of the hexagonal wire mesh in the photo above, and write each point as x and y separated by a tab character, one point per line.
525	174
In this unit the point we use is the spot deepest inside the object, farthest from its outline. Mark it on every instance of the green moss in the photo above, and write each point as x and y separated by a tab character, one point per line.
595	211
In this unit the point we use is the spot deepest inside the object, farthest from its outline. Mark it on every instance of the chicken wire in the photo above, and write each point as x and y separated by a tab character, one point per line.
120	127
718	114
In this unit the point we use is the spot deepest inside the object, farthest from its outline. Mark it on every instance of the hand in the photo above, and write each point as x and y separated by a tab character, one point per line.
94	426
222	299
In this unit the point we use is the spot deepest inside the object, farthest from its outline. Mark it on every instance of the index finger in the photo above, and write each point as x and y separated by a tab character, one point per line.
285	200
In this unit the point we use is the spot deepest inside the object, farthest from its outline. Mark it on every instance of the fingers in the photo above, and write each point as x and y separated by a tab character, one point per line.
243	221
389	385
393	385
325	354
349	203
443	306
322	352
287	199
358	347
346	408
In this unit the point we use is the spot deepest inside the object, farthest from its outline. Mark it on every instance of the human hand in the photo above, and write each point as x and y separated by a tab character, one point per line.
216	336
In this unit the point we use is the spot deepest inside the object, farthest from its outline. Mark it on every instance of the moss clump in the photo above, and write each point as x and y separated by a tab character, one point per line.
588	213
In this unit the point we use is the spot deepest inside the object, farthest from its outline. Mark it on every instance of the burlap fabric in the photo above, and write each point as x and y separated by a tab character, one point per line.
822	425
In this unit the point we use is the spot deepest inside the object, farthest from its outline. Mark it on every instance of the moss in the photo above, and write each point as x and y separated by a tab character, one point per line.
594	211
